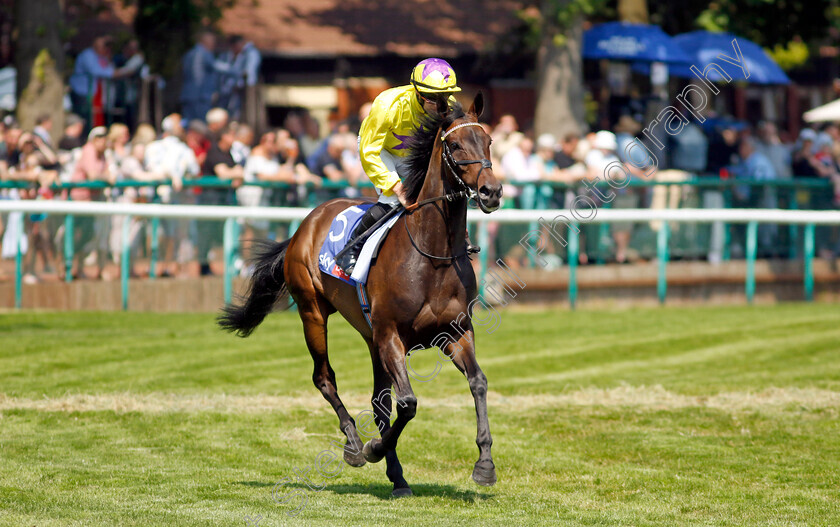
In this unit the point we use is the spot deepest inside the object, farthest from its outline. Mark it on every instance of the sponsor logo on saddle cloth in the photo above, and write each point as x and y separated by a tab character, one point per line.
342	227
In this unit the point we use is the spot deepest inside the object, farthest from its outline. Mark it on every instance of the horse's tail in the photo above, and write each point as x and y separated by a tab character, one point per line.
266	286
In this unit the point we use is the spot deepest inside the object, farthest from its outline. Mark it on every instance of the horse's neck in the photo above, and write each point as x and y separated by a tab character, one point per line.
441	225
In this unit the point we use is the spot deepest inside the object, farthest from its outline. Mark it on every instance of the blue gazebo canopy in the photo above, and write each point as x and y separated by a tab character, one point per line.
632	42
704	48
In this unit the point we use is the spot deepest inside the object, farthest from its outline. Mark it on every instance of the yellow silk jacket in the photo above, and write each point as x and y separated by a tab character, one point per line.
392	119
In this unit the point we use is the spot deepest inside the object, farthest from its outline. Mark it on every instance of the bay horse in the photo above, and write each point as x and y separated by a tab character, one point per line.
419	286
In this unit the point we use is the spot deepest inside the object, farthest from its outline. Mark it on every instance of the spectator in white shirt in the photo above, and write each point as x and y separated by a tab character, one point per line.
172	157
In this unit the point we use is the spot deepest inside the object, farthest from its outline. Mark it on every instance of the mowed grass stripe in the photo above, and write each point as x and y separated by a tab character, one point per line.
744	353
623	396
712	416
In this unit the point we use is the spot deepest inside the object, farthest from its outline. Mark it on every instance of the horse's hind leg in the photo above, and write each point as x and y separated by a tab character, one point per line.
314	312
381	402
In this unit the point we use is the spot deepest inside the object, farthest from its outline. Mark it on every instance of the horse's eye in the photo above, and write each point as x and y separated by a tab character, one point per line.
455	146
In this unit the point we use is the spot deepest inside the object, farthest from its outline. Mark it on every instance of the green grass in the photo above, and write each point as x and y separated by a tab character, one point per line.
713	416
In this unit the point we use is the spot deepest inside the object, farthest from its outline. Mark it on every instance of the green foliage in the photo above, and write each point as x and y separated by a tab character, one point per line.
568	12
559	15
770	23
42	62
791	56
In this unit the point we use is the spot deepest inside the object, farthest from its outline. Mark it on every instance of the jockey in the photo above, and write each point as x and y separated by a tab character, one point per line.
393	118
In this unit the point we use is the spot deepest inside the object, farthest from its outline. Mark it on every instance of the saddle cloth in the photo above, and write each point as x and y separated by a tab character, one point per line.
338	236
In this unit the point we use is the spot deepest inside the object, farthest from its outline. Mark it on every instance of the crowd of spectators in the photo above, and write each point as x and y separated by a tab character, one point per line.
105	84
215	76
719	148
163	166
303	158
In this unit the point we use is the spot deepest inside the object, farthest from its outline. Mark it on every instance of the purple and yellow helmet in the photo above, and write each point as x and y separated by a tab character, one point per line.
434	76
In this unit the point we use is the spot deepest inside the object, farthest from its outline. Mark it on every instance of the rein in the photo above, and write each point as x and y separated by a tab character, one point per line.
467	192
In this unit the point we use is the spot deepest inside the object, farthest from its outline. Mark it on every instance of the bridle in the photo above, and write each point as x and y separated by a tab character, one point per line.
452	164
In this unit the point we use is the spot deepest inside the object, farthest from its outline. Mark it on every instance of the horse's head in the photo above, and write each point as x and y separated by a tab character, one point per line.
466	153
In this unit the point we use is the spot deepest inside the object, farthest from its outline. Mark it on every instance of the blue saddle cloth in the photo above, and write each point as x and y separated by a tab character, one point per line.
342	227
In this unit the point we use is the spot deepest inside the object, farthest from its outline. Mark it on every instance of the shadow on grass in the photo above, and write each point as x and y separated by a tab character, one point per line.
383	491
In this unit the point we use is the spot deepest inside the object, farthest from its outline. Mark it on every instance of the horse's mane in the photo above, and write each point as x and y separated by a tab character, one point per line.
420	146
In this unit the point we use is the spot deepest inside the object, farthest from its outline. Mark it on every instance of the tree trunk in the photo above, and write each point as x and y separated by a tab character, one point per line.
39	60
560	102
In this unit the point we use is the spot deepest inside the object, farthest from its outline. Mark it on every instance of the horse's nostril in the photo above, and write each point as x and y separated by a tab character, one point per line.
485	191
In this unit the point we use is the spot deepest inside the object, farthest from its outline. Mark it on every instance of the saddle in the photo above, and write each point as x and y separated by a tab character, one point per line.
337	241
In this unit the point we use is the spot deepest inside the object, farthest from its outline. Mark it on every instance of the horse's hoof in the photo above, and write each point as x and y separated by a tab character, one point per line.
370	456
354	460
484	474
402	493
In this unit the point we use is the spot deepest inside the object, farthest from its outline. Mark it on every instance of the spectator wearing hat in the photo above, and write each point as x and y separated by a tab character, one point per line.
805	164
217	119
173	158
823	153
600	165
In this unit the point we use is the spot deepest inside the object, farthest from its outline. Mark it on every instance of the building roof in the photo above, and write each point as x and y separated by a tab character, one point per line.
364	28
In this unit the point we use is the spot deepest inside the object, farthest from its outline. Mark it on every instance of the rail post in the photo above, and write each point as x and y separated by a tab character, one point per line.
228	258
809	262
19	263
752	242
662	256
125	264
68	248
574	251
155	246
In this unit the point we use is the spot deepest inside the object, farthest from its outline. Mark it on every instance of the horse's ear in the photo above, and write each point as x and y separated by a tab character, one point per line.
477	106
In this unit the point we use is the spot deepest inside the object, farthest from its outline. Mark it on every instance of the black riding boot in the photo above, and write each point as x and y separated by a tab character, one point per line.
347	261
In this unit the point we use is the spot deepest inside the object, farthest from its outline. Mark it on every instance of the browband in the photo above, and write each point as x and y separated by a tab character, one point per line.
443	136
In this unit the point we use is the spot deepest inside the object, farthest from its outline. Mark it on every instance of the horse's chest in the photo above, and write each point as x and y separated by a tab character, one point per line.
438	313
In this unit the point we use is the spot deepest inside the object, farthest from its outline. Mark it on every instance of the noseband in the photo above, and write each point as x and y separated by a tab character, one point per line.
467	192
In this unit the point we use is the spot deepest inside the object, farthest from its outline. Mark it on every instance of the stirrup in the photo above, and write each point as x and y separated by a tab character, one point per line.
348	261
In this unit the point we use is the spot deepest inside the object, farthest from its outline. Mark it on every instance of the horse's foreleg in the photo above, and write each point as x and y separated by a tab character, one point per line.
381	402
314	316
463	355
391	354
